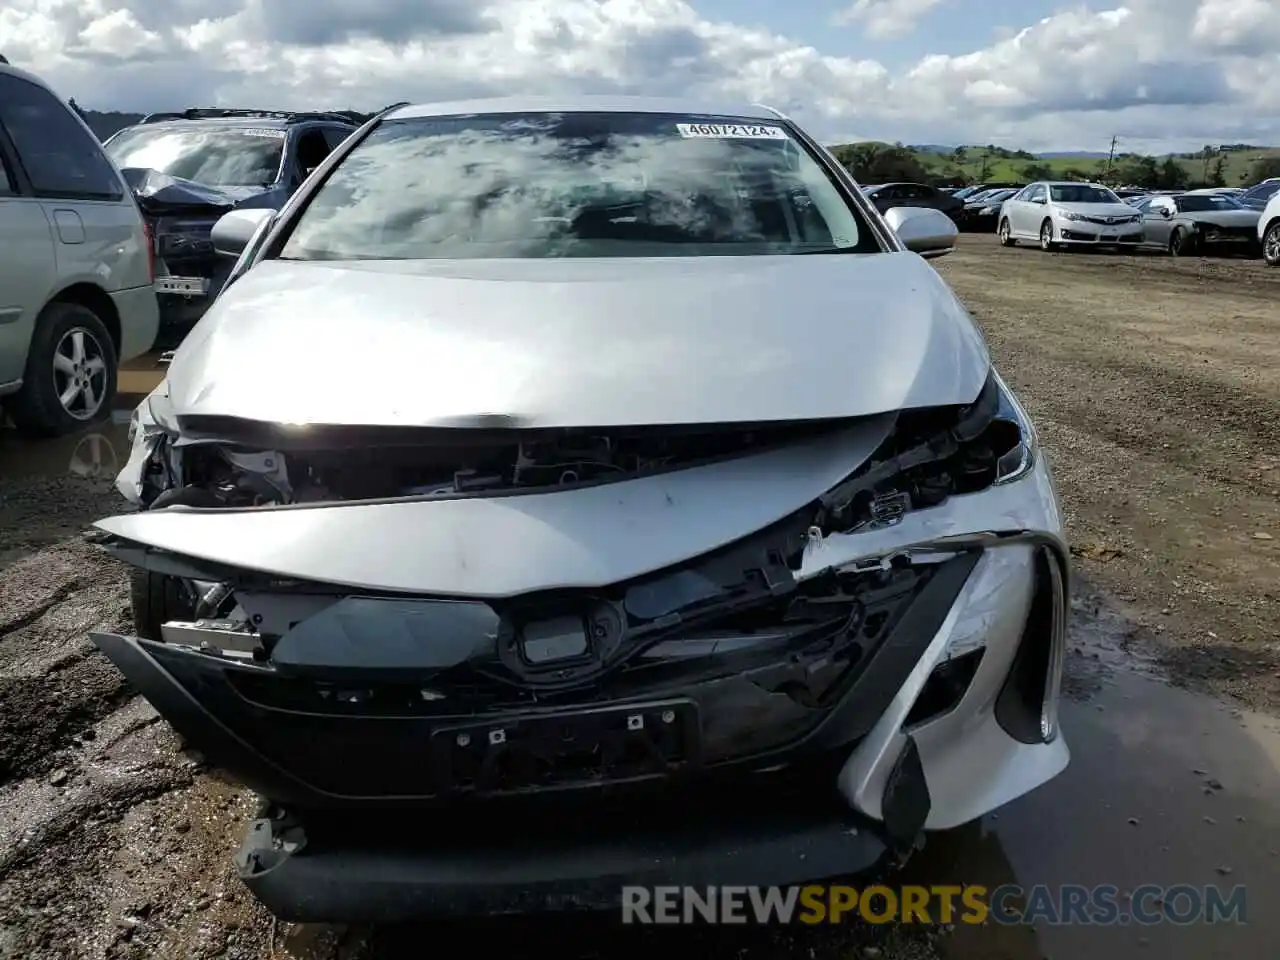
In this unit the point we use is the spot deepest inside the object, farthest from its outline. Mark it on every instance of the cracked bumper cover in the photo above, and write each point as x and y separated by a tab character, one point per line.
348	849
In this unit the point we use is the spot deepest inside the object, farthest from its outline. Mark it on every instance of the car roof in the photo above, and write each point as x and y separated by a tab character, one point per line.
587	104
11	70
256	122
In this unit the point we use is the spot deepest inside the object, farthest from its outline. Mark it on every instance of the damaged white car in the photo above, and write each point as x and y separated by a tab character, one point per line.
564	494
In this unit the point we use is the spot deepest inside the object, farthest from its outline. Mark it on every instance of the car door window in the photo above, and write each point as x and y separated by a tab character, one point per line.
1037	194
61	159
336	135
311	150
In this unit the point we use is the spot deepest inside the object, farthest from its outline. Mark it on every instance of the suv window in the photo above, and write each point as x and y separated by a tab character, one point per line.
576	185
337	135
61	159
311	149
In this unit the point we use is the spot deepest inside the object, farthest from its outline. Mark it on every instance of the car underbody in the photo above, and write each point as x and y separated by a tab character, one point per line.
493	670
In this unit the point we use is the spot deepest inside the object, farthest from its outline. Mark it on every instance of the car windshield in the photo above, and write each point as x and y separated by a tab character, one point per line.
217	156
1258	195
995	196
1081	193
1207	201
965	193
610	184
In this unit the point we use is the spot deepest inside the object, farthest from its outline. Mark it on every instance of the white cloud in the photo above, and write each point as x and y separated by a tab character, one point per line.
886	19
1162	74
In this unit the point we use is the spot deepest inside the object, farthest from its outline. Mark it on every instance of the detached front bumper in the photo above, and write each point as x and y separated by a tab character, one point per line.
380	811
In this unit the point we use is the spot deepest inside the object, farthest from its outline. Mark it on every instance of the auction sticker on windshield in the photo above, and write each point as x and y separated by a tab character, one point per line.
732	131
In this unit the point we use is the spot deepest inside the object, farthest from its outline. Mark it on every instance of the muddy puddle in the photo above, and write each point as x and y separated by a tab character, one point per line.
116	843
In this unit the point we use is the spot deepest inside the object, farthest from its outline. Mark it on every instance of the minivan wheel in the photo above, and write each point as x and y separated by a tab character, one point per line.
1271	245
70	376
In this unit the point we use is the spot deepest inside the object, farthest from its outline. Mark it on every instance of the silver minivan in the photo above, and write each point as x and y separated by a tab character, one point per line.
76	273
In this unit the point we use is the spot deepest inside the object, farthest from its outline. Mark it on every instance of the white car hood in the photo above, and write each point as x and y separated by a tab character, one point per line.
578	342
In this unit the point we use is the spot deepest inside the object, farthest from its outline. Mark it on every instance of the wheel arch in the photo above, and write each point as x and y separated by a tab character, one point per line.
93	297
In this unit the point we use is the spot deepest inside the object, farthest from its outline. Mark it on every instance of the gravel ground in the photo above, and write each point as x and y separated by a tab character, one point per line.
1155	385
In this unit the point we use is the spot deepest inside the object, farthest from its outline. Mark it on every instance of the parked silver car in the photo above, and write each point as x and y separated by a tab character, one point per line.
564	494
1070	214
76	293
1197	222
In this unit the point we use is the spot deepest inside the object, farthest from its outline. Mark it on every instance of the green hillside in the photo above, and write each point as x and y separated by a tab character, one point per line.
1231	165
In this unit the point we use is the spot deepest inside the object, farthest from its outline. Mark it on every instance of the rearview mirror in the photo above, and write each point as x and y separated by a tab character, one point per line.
928	232
236	229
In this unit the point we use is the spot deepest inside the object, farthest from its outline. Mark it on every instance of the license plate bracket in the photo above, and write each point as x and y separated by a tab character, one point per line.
182	286
567	748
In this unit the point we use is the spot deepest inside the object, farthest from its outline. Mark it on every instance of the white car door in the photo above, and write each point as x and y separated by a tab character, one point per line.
1032	211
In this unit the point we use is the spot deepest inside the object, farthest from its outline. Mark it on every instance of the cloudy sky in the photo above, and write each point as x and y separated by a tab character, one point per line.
1160	74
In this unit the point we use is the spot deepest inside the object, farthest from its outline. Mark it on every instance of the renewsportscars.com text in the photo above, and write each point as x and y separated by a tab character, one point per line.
1102	905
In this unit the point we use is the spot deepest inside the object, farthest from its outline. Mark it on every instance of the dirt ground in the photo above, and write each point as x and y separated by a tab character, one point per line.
1156	387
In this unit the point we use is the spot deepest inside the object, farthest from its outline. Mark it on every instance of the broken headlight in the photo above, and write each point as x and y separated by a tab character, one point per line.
1016	462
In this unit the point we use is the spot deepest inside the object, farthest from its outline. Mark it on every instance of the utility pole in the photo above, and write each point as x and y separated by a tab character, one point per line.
1111	156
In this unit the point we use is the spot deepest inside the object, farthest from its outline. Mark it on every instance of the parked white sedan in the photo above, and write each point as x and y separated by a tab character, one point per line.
1069	214
1269	231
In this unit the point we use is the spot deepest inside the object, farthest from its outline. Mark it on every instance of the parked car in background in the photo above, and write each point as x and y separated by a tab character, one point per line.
1197	222
969	192
1257	196
886	196
1070	214
75	264
981	211
1130	193
189	168
1269	231
488	636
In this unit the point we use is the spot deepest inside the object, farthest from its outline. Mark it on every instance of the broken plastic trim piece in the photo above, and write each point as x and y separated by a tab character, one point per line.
1027	706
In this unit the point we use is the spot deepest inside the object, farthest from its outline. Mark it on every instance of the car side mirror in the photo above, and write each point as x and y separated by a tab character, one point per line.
236	229
923	230
1040	200
1166	211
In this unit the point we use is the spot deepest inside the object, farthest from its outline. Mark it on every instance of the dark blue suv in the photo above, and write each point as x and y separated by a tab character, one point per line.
188	169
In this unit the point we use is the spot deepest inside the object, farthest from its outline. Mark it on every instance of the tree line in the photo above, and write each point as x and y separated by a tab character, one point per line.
874	162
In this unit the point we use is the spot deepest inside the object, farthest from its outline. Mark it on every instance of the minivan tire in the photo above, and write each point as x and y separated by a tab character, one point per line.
35	409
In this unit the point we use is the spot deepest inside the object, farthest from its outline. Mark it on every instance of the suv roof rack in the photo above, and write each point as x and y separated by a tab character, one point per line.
220	113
